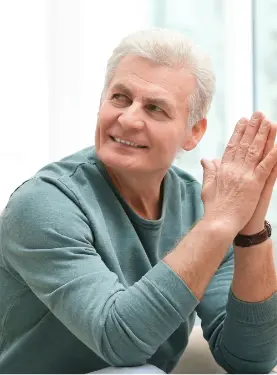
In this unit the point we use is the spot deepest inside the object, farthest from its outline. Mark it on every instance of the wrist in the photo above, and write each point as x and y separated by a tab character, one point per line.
252	228
246	240
220	227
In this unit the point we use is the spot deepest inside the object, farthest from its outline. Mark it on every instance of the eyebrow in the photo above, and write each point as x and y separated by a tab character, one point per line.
160	102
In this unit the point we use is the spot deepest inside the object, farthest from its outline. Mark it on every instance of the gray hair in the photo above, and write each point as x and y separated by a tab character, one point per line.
173	49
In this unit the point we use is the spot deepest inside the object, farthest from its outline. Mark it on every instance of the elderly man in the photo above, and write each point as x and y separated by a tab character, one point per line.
108	254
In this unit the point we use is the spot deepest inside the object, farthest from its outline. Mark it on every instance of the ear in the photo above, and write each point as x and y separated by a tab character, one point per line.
194	135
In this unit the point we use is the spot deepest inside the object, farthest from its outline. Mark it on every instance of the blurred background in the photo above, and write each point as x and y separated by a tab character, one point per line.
53	56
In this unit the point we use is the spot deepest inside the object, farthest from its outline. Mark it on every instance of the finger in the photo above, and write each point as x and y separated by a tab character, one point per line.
266	194
249	134
209	170
234	141
270	140
267	165
270	182
217	163
256	150
207	165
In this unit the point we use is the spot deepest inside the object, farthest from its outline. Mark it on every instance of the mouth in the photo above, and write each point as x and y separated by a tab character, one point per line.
126	143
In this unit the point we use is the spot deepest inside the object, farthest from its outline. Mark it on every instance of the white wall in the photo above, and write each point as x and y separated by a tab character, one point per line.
24	111
53	58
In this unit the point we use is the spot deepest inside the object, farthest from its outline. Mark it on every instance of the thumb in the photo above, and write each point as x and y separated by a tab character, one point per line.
209	170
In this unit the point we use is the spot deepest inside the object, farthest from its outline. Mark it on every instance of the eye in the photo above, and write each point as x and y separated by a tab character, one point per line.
154	108
119	97
156	112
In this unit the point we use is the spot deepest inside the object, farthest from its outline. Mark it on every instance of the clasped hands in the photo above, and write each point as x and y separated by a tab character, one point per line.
237	189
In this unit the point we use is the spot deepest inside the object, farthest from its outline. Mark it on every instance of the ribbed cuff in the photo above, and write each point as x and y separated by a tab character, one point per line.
252	312
173	288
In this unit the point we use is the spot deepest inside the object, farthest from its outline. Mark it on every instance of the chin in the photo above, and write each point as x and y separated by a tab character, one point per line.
118	161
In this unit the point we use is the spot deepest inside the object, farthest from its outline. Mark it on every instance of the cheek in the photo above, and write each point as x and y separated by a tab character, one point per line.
167	140
107	117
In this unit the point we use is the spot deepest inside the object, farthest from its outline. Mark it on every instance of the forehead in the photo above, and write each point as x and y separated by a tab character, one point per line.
149	78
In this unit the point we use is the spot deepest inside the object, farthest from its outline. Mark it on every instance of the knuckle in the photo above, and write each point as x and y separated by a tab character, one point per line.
263	167
248	178
262	171
253	152
230	174
244	146
231	147
253	123
239	130
265	125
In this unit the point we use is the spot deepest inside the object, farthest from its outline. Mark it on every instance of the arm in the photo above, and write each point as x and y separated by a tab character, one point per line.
244	340
255	274
231	193
49	247
200	253
255	266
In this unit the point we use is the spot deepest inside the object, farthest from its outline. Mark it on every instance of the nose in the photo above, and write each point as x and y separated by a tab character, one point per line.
130	118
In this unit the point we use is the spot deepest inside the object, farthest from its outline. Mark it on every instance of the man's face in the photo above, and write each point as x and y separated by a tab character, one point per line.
145	104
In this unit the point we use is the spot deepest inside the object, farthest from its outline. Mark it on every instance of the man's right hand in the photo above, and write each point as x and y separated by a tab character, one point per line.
231	192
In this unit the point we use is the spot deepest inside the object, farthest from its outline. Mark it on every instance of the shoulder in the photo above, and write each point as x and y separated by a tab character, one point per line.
47	203
55	180
40	219
40	209
68	165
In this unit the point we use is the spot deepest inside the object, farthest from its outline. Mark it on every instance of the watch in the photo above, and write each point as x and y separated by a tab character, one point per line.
253	239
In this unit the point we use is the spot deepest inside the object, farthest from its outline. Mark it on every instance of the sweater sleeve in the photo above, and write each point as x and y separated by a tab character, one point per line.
48	246
242	336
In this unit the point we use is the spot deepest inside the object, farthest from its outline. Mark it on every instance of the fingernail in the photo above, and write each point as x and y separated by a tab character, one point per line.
256	115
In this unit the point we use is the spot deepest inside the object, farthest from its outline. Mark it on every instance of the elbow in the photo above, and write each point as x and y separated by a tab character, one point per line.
264	367
251	368
115	360
267	367
116	357
234	365
121	348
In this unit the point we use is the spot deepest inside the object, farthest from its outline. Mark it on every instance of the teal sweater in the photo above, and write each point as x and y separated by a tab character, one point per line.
83	285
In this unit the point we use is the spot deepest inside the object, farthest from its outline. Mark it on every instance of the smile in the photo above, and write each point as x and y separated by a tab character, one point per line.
127	143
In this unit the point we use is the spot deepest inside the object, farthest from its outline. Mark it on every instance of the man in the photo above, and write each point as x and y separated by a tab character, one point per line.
107	255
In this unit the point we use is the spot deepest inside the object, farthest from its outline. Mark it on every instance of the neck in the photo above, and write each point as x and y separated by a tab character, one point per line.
143	194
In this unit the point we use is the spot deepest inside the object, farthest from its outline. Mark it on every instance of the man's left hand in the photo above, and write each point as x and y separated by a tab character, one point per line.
256	223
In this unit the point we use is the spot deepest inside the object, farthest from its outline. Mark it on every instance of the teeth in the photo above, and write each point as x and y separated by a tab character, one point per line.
127	142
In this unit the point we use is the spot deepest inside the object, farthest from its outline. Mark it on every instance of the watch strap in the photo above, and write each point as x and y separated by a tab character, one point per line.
254	239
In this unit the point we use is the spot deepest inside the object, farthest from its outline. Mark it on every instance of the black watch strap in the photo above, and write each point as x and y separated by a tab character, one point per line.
254	239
